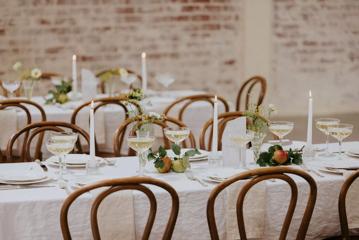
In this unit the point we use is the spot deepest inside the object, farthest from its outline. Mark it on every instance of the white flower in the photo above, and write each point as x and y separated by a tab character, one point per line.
272	108
36	73
17	66
123	72
154	115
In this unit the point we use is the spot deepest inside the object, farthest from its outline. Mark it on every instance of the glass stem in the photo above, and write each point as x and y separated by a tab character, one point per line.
340	150
327	145
140	164
61	167
280	141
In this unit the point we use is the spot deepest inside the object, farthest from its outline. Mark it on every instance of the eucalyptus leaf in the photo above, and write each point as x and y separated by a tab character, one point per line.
176	149
162	152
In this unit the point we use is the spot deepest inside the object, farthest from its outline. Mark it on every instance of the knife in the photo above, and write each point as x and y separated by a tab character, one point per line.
42	165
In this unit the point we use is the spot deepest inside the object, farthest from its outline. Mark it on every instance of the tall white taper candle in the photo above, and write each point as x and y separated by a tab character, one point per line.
144	71
74	74
92	132
215	126
310	120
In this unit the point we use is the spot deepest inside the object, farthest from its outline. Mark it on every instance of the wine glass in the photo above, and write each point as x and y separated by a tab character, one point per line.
281	129
11	86
177	134
141	141
323	124
60	144
165	79
340	132
242	140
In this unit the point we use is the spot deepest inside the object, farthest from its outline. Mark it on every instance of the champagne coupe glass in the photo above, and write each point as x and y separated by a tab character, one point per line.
242	140
11	86
141	141
323	124
340	132
177	134
165	79
281	129
60	144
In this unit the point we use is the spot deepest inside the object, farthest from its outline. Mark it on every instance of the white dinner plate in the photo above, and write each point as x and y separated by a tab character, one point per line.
350	154
332	170
22	176
26	182
199	157
353	151
73	160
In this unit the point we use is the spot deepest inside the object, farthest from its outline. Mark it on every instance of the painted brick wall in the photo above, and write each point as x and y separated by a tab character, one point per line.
316	46
196	40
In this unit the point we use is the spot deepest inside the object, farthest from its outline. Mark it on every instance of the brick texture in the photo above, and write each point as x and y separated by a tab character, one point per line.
316	46
196	40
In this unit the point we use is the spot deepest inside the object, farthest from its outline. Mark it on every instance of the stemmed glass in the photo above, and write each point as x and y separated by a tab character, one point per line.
165	79
11	86
141	141
177	134
340	132
60	144
281	129
242	140
323	124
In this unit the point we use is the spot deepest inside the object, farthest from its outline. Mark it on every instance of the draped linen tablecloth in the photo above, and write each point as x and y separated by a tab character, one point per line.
34	213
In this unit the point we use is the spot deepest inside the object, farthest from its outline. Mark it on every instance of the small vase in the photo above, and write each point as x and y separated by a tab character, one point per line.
257	142
28	87
110	87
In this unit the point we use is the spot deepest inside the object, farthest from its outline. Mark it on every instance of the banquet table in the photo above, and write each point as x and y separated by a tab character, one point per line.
34	213
109	118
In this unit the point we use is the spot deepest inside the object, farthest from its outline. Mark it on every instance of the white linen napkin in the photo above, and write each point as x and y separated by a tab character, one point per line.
230	150
8	126
88	85
253	210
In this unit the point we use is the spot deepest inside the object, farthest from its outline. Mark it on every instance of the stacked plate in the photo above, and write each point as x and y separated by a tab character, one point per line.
339	167
198	157
21	177
73	160
220	174
353	152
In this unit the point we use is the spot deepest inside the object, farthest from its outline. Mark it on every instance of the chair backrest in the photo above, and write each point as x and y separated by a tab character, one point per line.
40	128
127	107
185	102
342	204
5	93
115	185
119	135
49	75
246	90
102	84
258	175
25	106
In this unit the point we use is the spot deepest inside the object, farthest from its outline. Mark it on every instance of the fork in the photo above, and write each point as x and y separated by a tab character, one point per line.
192	177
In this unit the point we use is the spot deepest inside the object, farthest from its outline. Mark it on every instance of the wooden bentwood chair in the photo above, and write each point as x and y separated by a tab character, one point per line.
119	136
39	129
247	88
187	101
258	175
24	106
116	185
129	107
223	119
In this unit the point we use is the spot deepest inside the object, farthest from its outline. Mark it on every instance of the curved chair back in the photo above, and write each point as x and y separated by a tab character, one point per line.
102	84
258	175
246	90
5	93
119	136
25	106
342	205
116	185
39	129
128	108
187	101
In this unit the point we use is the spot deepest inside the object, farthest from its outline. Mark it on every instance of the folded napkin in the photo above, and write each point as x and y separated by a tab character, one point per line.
8	126
88	85
254	209
230	151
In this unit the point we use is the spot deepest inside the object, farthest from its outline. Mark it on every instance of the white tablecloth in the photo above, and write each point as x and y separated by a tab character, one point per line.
34	213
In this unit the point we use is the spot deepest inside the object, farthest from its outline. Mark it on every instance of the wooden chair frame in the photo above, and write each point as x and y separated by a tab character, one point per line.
258	175
21	104
119	135
342	205
189	100
102	84
115	185
251	83
39	129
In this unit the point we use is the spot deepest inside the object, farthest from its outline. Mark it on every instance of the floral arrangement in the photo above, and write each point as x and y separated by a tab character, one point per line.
106	75
277	156
143	120
259	117
163	163
59	94
33	74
